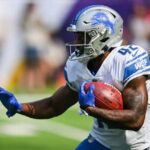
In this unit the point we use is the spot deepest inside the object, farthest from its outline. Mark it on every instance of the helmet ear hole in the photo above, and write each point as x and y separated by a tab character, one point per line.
104	39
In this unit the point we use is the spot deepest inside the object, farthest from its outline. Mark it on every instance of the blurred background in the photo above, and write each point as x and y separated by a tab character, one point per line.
32	56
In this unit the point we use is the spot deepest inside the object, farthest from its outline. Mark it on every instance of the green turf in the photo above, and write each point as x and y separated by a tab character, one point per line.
72	117
42	141
45	140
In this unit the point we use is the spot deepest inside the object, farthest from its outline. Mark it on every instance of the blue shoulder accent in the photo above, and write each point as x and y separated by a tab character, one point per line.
146	70
139	66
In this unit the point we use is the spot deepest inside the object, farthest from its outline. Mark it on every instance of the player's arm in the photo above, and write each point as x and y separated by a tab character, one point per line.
52	106
135	99
49	107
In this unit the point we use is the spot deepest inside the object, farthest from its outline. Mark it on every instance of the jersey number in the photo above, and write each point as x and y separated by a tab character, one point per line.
128	50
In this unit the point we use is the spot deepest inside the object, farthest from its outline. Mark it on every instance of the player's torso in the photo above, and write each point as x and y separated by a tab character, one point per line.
118	68
78	72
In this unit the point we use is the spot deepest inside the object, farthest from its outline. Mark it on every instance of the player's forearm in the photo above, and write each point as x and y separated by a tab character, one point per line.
125	119
42	109
52	106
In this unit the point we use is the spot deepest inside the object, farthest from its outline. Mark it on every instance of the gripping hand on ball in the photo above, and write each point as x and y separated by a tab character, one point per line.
10	102
86	98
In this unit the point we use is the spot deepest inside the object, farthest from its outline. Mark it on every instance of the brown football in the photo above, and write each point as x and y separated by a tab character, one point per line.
106	96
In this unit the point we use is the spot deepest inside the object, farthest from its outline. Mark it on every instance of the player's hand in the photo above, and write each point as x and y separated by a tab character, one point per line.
10	102
86	99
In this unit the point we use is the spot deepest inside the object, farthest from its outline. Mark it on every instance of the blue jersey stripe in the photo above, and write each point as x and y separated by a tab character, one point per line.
145	71
136	57
136	67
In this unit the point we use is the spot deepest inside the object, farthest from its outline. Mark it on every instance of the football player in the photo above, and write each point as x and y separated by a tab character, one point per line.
98	55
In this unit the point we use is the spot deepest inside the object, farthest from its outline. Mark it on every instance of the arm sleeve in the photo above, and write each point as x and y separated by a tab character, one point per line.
67	79
136	66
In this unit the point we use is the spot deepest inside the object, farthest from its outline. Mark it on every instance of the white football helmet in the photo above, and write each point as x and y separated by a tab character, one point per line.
102	24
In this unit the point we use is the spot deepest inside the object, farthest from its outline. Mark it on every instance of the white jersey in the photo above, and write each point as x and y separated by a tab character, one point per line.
121	66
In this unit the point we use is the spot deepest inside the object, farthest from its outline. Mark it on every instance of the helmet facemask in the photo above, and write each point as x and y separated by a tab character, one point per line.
89	48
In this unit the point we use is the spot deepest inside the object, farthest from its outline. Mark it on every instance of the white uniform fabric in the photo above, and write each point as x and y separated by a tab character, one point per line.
121	66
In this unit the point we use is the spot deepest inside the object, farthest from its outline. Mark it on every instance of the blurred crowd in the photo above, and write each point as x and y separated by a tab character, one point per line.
32	56
44	53
32	50
139	27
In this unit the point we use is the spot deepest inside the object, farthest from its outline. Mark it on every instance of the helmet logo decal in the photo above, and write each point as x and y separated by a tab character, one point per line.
101	18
